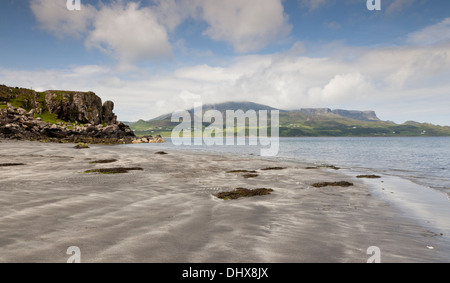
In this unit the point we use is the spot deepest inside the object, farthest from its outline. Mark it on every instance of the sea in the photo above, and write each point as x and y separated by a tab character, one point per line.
415	171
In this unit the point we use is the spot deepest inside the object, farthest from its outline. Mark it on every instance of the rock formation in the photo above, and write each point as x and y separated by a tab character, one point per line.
357	115
73	106
351	114
80	117
315	111
17	123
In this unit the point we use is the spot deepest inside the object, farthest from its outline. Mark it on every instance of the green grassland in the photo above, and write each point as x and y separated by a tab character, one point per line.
296	124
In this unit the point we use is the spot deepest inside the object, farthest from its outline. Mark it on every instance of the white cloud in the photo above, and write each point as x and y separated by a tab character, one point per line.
125	31
434	34
246	25
171	13
406	67
205	73
56	18
342	87
129	33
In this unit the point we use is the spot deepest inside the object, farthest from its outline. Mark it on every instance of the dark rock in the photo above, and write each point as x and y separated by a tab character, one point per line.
108	116
91	129
53	133
81	146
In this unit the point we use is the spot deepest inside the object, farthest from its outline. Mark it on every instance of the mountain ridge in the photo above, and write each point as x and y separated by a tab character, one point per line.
308	122
367	115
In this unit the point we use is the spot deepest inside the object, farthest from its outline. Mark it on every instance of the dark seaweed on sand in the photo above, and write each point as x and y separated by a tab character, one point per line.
368	176
10	164
119	170
273	168
104	161
242	171
250	175
335	184
242	192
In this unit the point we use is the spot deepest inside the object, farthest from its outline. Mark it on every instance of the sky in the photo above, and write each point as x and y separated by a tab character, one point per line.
152	57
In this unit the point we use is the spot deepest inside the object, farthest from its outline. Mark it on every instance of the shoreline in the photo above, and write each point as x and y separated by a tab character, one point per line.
386	172
422	203
167	212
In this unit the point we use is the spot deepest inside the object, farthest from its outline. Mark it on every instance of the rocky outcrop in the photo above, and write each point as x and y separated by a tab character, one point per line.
357	115
81	107
315	111
17	123
71	106
75	106
149	139
350	114
108	116
79	116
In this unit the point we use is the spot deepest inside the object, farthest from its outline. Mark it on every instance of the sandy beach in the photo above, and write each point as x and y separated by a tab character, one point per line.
166	212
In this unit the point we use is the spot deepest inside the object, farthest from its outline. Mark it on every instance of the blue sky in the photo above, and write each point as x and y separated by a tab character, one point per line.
155	56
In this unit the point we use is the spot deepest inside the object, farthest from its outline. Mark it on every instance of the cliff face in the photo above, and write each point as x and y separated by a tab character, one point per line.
357	115
75	106
351	114
17	123
60	116
315	111
71	106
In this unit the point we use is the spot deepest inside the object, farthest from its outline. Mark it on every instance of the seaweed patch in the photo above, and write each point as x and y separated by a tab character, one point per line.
242	192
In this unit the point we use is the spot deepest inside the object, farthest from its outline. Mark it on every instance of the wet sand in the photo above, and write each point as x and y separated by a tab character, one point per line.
167	211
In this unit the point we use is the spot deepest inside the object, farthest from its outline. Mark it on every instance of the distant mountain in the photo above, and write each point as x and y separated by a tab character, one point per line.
308	122
244	106
223	107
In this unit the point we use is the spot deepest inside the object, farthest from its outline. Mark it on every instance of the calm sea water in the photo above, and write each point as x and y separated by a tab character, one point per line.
424	160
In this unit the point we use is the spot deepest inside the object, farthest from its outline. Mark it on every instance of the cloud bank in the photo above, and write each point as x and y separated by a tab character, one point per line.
399	82
406	76
131	32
